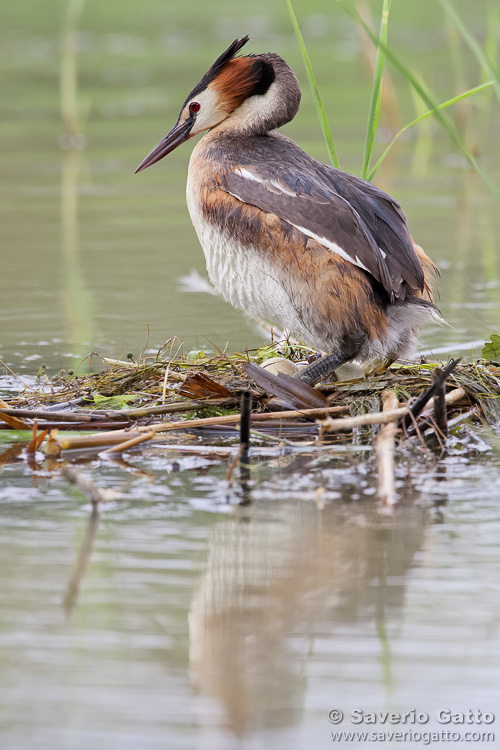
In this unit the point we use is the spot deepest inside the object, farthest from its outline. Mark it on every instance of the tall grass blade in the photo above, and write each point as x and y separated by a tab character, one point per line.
314	88
428	99
429	112
376	92
474	45
492	40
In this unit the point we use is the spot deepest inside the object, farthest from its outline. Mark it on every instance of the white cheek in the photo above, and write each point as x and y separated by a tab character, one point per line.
209	114
207	120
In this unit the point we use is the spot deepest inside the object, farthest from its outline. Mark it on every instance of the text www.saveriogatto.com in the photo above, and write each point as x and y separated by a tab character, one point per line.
459	731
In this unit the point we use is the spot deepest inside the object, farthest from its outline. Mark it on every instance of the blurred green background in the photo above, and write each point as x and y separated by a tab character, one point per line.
92	256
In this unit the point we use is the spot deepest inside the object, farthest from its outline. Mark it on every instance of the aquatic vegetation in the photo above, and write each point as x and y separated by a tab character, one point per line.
419	86
491	349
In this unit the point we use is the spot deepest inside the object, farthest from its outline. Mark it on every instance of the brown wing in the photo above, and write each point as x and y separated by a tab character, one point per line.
349	216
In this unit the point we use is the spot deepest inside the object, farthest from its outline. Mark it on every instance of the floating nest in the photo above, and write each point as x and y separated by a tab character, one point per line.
200	393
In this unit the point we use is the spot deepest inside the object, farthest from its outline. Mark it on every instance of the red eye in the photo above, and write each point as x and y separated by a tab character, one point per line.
194	107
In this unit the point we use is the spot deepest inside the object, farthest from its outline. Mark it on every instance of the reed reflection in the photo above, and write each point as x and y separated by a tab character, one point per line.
78	304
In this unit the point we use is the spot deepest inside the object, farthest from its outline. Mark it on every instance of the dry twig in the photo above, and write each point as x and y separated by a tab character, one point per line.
348	423
385	452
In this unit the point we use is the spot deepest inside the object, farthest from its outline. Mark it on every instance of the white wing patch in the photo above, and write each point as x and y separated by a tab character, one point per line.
333	247
250	176
283	189
247	175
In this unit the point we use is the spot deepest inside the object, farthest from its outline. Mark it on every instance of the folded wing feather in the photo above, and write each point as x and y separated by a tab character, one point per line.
347	215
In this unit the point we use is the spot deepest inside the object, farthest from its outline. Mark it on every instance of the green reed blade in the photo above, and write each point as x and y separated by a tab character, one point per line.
491	43
428	99
376	92
430	112
483	59
314	88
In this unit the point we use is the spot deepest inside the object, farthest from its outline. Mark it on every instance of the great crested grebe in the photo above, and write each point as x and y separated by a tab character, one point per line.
320	252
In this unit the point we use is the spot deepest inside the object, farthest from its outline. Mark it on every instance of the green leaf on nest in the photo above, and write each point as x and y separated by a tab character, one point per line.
491	349
113	402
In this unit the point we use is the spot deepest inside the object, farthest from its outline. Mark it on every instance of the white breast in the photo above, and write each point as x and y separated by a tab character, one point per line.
242	275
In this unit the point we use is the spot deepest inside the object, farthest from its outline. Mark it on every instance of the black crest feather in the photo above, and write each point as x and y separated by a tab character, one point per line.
216	68
226	56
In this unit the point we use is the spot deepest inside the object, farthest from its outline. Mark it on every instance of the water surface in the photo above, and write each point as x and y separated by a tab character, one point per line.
212	614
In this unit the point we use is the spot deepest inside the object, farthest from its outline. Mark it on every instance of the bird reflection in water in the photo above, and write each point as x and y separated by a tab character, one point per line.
277	578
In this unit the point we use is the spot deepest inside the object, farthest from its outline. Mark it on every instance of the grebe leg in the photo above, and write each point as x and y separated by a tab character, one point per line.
316	371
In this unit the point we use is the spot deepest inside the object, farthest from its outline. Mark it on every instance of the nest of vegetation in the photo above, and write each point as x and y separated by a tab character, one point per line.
130	402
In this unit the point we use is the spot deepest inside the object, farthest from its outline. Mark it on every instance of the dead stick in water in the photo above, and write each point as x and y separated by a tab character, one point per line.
329	425
111	414
385	452
73	426
419	404
11	419
55	445
246	406
348	423
52	416
440	414
453	397
235	418
131	443
119	436
147	411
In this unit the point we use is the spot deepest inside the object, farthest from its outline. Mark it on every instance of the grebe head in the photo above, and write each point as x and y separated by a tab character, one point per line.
249	95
